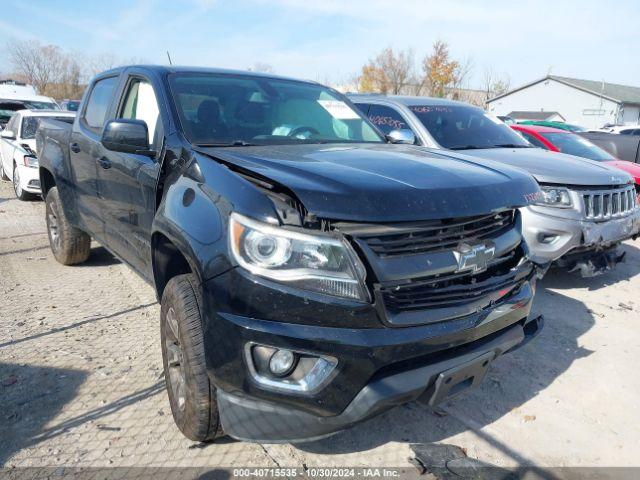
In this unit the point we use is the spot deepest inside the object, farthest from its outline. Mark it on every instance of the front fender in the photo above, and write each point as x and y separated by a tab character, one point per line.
194	211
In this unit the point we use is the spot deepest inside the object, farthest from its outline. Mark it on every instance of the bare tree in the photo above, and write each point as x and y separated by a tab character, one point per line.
388	72
495	84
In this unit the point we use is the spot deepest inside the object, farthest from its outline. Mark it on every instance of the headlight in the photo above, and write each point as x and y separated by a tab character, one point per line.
30	161
554	197
311	262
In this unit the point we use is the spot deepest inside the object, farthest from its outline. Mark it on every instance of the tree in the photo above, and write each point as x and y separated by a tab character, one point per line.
440	71
388	72
495	84
40	64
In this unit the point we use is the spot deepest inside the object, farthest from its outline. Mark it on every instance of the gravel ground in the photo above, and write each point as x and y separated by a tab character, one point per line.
81	383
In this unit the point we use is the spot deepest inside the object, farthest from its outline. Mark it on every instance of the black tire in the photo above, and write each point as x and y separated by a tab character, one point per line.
3	175
69	244
20	193
191	396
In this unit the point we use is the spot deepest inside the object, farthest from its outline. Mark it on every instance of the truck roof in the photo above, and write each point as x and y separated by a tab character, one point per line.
168	69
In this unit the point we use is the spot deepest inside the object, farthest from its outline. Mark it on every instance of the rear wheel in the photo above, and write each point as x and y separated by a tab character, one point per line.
69	244
191	395
20	192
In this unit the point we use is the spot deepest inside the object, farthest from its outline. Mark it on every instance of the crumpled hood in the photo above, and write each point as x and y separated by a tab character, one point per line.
382	182
554	167
631	168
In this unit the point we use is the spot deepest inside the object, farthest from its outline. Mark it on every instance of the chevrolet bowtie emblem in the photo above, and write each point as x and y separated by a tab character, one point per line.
474	257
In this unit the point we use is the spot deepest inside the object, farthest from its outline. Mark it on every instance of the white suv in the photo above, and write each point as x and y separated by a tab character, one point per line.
18	161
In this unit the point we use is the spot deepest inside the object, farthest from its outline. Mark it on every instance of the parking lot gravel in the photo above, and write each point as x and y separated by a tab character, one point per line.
81	376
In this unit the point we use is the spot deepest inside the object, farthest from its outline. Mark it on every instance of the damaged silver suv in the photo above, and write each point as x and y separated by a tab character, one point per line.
586	208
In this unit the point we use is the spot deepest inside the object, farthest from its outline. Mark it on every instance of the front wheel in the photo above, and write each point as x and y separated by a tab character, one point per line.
3	175
191	395
21	194
69	244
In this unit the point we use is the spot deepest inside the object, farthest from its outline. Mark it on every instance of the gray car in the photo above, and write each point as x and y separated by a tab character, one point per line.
587	208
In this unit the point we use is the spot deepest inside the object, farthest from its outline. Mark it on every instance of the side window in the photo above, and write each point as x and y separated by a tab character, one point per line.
98	103
386	118
140	104
532	140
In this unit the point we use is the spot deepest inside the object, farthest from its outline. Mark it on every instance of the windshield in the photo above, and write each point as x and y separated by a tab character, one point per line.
42	105
220	109
461	127
576	145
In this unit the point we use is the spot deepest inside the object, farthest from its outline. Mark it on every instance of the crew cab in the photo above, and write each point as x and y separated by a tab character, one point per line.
587	208
310	273
18	160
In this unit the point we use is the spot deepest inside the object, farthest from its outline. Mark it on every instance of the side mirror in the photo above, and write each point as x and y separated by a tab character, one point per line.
8	134
126	136
401	136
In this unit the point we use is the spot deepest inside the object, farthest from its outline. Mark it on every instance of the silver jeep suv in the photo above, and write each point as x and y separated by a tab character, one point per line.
586	209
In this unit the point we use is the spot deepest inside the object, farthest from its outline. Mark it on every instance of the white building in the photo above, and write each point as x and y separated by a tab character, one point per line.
583	102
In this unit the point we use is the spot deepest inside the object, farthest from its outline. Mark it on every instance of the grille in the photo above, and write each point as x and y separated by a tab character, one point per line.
606	204
444	235
457	288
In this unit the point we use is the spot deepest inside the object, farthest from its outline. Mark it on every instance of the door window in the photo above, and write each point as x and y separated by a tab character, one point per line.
98	104
140	104
386	119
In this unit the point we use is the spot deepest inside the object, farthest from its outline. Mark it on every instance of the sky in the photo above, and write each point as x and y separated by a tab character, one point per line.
330	40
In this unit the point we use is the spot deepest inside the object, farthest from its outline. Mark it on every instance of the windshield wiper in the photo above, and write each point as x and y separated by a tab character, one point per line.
468	147
235	143
510	145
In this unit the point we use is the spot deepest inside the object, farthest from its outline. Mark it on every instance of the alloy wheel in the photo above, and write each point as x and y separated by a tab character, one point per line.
54	228
16	183
175	360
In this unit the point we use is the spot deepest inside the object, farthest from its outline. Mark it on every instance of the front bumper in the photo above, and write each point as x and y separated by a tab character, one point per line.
377	367
549	237
29	178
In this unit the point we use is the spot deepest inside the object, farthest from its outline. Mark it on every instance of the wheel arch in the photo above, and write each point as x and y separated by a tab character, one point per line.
170	257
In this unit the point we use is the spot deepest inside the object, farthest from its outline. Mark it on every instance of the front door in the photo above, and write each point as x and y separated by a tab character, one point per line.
85	150
127	182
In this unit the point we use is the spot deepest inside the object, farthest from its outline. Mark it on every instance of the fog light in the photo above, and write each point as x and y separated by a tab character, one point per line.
282	362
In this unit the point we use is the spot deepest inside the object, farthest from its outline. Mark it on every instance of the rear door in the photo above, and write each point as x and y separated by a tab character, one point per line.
85	152
127	181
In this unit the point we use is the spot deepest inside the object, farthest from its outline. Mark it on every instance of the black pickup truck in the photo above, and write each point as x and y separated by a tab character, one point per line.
311	274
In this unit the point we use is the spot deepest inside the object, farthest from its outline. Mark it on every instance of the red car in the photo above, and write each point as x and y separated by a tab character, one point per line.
568	142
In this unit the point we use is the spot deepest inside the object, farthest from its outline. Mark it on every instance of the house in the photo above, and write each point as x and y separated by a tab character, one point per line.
584	102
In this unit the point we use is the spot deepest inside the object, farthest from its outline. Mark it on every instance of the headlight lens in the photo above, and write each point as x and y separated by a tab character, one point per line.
311	262
554	197
30	161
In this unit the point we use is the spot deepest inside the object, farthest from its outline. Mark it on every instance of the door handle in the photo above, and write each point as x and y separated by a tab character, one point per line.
74	147
104	163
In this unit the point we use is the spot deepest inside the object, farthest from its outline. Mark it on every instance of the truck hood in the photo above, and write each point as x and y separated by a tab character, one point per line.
554	167
383	182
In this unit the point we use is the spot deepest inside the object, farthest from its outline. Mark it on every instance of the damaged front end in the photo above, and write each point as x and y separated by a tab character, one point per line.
592	262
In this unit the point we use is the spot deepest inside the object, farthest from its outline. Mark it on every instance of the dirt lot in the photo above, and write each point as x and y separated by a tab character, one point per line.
81	383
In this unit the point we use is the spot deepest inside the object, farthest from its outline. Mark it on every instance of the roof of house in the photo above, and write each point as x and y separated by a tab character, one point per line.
612	91
537	115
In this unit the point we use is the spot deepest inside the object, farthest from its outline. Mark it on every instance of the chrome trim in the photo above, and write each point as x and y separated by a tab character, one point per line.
607	204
